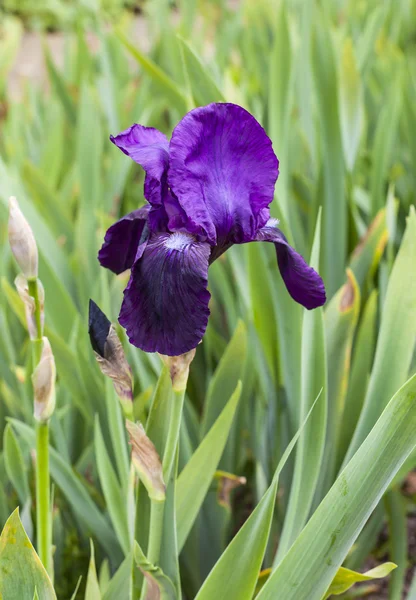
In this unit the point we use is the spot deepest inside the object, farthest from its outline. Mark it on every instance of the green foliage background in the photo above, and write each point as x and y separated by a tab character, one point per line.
334	85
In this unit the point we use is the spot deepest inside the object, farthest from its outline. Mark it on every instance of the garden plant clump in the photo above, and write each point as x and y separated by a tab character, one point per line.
187	412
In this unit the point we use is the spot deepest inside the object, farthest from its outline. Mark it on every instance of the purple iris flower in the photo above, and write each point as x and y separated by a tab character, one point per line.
208	188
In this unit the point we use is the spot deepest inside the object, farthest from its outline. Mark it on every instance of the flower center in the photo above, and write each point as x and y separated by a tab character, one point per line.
179	240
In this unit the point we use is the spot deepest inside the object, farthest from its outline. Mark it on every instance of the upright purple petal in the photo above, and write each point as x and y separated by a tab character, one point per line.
122	239
149	148
302	281
165	306
222	172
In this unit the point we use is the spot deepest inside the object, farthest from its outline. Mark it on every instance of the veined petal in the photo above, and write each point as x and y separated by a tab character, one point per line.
122	239
302	281
222	170
165	306
149	148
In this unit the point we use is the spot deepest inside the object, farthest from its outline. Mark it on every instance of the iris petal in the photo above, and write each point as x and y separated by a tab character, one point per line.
222	171
122	240
165	306
302	281
149	148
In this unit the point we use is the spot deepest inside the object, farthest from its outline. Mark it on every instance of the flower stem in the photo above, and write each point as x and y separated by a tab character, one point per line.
173	433
157	510
43	519
43	516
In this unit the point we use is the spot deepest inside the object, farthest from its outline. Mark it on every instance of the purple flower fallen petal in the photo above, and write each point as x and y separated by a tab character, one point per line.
302	281
165	306
222	171
122	239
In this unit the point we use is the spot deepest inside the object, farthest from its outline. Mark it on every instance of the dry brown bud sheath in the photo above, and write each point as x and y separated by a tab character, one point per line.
146	461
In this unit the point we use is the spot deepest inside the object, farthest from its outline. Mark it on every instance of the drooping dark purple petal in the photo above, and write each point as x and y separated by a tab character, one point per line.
302	281
165	306
122	239
222	170
149	148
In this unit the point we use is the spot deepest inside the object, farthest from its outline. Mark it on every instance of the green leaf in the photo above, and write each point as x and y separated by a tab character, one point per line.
119	586
204	89
195	479
351	104
74	595
345	579
334	222
312	562
15	464
244	554
396	340
384	140
159	587
262	301
398	542
226	377
366	257
21	571
11	32
92	591
113	491
75	492
309	452
165	84
60	87
341	318
362	359
88	162
280	101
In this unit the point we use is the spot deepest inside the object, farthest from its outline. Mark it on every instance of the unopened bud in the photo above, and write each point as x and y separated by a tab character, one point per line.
43	380
110	356
22	287
146	461
22	241
179	368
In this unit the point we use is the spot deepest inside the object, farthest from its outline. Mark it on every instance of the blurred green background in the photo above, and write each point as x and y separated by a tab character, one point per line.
334	84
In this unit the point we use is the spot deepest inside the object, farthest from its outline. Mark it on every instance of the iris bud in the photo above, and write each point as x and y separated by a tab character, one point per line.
110	356
22	241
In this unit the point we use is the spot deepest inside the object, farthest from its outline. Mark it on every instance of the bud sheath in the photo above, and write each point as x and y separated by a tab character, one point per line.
22	286
43	380
146	461
179	369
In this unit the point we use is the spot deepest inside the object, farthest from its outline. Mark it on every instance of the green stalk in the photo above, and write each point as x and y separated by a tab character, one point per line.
43	515
173	433
157	508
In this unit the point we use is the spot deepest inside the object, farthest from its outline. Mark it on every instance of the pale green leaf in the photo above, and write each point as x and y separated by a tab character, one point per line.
159	587
92	591
344	579
195	479
312	562
21	571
